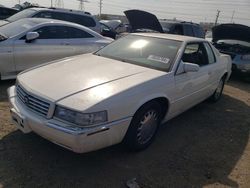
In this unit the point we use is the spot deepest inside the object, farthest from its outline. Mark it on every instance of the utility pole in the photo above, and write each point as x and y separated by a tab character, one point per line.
51	3
232	18
81	4
217	17
59	3
100	6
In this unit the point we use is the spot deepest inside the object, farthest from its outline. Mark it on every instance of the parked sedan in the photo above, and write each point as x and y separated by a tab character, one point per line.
32	41
120	93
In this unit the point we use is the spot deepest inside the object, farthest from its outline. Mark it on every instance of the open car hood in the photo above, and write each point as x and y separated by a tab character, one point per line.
113	24
139	19
231	32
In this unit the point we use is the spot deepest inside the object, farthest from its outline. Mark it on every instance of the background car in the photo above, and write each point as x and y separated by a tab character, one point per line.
112	28
79	17
6	12
144	21
182	28
31	41
120	93
235	43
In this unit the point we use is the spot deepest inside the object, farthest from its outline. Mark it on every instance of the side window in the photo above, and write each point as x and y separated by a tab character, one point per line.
198	32
43	14
52	32
195	53
188	30
178	30
77	33
210	53
84	20
61	32
87	21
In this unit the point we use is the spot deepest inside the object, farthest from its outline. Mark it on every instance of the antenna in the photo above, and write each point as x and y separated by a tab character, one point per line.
81	4
59	4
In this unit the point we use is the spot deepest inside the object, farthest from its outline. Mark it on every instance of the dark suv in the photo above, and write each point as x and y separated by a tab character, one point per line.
142	21
182	28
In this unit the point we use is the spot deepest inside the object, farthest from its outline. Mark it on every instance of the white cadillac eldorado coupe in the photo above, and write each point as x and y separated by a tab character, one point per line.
123	92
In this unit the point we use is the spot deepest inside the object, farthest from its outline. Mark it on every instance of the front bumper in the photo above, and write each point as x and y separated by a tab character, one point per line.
79	140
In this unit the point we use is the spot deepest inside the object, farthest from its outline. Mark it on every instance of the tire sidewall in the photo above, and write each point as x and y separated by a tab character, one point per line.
131	140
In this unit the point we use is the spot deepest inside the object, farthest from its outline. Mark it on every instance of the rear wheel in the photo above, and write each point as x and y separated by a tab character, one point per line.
143	127
218	92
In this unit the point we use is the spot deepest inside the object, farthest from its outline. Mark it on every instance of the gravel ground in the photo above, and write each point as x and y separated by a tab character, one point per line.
207	146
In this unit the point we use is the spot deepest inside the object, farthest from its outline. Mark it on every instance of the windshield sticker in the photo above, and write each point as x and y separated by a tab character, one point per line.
158	59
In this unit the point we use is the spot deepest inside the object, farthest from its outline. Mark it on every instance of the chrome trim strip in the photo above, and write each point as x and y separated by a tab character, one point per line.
88	131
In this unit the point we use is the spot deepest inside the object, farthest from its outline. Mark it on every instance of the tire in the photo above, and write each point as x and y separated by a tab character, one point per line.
143	127
218	92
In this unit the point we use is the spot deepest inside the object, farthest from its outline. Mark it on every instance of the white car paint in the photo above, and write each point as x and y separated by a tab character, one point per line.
96	83
17	55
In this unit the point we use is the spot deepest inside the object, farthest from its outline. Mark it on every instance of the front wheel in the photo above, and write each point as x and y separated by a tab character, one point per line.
143	127
218	92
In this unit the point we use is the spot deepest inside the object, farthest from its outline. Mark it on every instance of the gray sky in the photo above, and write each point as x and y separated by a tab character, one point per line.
189	10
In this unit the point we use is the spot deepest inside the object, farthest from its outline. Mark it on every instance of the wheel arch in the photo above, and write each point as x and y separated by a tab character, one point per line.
161	99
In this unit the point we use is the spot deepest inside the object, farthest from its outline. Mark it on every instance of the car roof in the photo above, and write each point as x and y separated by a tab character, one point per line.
181	38
63	10
46	20
178	22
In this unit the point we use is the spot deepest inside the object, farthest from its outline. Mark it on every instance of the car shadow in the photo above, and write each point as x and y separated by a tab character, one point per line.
4	85
199	147
237	82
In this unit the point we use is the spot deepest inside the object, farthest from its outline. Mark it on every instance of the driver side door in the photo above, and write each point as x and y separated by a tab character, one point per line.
192	87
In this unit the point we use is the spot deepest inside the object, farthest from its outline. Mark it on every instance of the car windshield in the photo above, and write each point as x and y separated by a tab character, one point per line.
23	14
15	28
151	52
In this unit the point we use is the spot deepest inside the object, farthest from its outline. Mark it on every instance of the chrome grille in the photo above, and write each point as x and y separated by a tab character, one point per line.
32	102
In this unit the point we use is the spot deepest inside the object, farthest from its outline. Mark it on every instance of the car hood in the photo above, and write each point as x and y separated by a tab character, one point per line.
231	32
139	19
64	78
3	22
113	24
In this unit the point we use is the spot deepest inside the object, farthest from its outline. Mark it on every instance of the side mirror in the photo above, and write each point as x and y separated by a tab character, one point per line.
30	36
191	67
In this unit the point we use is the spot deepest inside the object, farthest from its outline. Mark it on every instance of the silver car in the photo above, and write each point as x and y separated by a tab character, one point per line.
32	41
74	16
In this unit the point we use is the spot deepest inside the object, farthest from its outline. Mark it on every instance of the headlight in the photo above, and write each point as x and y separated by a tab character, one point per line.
81	119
